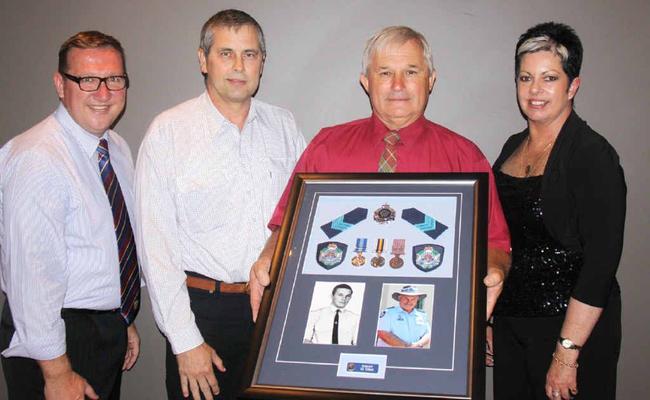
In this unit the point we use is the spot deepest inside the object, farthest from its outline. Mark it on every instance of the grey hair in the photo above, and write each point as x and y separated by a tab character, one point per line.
543	43
229	19
395	35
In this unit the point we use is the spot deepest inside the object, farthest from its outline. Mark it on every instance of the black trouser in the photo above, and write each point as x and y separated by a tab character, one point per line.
95	344
523	349
226	323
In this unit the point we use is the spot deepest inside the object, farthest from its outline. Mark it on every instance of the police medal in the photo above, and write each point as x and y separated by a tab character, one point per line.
359	259
398	250
378	261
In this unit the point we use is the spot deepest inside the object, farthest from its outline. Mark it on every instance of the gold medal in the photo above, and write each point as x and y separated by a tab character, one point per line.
359	259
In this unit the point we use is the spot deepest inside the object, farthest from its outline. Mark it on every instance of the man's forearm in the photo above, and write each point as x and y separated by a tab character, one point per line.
56	367
269	248
61	382
259	275
391	340
423	341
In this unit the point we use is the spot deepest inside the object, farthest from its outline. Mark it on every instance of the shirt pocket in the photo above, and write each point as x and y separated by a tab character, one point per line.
279	169
203	207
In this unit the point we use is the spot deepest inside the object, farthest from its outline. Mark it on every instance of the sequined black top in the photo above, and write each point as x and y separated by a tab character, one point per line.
543	272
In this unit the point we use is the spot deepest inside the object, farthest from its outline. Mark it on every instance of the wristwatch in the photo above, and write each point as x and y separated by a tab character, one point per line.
568	344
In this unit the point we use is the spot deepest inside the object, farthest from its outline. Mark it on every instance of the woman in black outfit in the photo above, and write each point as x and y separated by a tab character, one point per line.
557	324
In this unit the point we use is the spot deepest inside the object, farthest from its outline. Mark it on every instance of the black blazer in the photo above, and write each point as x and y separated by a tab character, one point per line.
583	201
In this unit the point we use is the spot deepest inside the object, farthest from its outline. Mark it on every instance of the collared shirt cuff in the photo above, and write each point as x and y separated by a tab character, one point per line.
44	352
186	339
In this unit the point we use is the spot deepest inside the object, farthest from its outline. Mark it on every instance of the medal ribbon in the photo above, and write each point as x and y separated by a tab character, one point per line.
398	246
362	244
380	246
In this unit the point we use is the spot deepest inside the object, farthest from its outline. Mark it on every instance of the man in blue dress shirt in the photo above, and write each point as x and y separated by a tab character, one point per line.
69	264
404	326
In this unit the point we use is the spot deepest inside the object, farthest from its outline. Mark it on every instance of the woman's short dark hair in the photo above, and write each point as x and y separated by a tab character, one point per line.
555	37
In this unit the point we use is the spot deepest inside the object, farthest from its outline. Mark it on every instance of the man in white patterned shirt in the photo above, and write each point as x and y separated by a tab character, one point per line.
209	173
66	329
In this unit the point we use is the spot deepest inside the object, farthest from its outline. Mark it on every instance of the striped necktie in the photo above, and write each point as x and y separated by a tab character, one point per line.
388	159
129	271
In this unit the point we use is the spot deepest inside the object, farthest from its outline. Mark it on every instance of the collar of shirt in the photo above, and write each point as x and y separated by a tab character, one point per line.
333	308
407	134
86	140
403	311
221	121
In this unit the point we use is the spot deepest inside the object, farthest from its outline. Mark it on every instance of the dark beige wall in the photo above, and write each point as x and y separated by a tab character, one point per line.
313	67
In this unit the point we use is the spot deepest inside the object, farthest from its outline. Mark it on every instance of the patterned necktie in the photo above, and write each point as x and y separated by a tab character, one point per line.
335	328
129	271
388	160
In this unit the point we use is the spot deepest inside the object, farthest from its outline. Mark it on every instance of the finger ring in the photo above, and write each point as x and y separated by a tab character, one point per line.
556	394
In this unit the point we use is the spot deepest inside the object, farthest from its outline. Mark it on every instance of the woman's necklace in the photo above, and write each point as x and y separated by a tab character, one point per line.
530	167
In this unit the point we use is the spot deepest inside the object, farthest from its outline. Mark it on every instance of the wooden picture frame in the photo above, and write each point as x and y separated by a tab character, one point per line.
434	226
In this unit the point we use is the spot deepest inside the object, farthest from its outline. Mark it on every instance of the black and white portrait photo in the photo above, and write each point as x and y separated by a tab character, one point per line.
334	313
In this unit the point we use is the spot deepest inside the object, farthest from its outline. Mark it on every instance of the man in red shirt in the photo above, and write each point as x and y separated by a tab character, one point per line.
398	76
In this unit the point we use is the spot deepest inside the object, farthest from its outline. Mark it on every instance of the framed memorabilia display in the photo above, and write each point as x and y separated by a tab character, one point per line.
376	290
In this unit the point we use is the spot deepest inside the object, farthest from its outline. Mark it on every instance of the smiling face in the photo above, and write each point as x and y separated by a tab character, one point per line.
398	82
543	89
93	111
408	303
233	65
341	297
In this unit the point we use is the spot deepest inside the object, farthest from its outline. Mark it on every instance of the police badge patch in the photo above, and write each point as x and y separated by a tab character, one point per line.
427	257
330	254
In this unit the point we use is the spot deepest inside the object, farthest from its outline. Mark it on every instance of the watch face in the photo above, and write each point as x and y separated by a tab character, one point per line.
568	344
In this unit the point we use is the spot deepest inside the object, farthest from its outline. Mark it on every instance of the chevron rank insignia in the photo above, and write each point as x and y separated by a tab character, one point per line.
344	222
423	222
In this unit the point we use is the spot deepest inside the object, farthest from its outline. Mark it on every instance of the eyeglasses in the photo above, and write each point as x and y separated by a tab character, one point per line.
92	83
